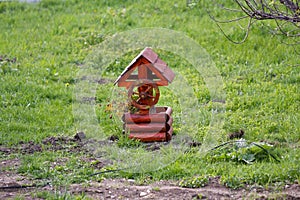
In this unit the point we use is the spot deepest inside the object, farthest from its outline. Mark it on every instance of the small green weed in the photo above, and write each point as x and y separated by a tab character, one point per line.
243	151
57	195
124	141
156	188
232	182
194	182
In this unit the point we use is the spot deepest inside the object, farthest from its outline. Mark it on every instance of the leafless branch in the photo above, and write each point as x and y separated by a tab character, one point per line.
285	13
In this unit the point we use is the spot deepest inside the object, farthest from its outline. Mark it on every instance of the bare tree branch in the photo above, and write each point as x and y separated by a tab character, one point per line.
285	10
285	13
291	5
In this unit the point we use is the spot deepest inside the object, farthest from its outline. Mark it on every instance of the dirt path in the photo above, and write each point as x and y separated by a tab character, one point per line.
11	185
128	189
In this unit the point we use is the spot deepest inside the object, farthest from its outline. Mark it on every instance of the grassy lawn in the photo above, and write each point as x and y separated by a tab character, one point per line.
44	45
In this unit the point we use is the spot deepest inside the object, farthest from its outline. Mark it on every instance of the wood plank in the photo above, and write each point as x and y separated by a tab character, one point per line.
126	84
170	121
160	109
152	118
142	72
169	111
161	83
150	128
132	77
149	137
169	134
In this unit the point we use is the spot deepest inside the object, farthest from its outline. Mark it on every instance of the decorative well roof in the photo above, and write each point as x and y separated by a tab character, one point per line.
154	60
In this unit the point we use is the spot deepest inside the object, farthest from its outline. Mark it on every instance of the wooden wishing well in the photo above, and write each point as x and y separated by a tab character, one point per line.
142	77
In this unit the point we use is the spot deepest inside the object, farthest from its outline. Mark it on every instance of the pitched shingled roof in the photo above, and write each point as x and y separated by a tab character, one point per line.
157	63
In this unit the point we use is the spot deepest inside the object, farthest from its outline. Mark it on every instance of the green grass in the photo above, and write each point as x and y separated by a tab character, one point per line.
50	41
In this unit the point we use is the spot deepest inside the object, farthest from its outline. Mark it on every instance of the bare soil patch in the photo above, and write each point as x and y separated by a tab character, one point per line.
14	185
52	143
128	189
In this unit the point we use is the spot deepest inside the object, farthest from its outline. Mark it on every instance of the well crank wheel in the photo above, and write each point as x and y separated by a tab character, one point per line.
143	94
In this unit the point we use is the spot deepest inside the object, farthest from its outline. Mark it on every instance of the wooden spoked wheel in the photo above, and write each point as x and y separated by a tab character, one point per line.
143	94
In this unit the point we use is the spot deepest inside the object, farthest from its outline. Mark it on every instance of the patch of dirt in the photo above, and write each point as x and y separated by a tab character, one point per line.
128	189
104	81
13	185
52	143
20	186
10	163
29	147
74	144
10	179
6	150
162	190
5	58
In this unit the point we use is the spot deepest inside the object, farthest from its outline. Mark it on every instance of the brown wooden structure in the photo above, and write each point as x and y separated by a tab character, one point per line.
142	77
